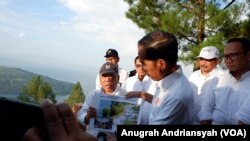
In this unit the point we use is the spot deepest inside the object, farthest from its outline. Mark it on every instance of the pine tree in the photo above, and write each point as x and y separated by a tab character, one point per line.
196	23
36	91
76	95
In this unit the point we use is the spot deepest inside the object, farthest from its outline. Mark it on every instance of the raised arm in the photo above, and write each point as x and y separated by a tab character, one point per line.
140	94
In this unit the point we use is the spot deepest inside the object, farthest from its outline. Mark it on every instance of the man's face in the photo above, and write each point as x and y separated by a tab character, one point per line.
207	65
234	57
139	68
152	69
109	82
113	60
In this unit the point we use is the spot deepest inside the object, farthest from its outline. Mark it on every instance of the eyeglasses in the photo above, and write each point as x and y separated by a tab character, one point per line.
138	65
232	56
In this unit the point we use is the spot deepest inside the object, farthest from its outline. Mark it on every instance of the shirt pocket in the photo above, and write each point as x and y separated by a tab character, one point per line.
221	95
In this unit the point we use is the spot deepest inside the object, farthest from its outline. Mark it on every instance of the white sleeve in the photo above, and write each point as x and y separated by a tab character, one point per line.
123	75
208	102
83	111
244	112
97	82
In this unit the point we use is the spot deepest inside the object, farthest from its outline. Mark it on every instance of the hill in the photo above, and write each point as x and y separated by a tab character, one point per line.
13	79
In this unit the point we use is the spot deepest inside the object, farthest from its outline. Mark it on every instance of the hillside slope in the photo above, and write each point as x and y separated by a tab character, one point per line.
13	79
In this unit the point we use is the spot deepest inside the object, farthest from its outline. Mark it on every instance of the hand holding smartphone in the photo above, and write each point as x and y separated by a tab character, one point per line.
17	117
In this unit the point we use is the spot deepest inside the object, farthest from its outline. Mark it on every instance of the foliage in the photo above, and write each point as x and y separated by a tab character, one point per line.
196	23
76	95
136	108
36	90
116	109
12	81
127	122
106	112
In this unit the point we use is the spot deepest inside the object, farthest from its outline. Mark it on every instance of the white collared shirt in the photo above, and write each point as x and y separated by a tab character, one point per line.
135	84
92	99
197	79
223	97
243	113
174	102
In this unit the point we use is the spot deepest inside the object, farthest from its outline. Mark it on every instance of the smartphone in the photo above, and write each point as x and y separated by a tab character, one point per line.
17	117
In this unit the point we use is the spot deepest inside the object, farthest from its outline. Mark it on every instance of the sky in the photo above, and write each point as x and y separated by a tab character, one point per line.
66	39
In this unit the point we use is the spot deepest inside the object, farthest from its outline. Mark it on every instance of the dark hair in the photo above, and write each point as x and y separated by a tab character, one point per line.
136	58
245	43
159	45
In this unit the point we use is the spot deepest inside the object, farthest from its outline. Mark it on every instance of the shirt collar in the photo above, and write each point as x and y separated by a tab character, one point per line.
115	92
245	75
168	80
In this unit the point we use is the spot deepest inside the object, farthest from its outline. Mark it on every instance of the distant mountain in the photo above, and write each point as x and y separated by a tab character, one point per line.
13	79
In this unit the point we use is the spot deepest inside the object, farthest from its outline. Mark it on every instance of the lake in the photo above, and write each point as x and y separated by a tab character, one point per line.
59	98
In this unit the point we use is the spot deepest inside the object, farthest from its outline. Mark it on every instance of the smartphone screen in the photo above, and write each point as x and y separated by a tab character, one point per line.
17	117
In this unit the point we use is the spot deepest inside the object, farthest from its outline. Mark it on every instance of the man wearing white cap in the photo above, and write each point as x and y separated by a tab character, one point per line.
208	60
225	99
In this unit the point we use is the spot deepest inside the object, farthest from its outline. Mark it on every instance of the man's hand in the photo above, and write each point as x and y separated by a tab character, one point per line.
91	113
61	124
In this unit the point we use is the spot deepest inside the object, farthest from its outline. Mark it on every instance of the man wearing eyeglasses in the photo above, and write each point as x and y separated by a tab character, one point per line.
140	82
208	60
225	95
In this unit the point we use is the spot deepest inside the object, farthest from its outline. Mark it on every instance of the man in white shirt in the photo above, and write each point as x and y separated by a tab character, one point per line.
109	78
225	94
112	56
172	102
243	114
208	60
140	82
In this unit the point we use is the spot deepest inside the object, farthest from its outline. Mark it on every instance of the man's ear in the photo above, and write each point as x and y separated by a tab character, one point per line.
162	64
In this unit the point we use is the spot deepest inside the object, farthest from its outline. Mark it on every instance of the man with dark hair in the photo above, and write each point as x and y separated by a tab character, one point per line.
172	102
140	82
225	94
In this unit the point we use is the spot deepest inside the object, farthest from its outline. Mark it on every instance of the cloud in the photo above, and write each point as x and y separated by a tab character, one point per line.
65	37
22	35
104	21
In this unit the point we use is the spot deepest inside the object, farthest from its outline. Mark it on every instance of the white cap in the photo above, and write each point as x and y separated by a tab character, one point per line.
209	52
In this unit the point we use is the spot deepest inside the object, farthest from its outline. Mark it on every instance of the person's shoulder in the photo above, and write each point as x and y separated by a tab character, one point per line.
121	70
219	71
121	91
94	92
132	73
194	74
221	74
132	78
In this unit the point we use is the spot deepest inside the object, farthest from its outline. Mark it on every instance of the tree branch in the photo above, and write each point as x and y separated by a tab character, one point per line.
185	36
229	4
190	9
